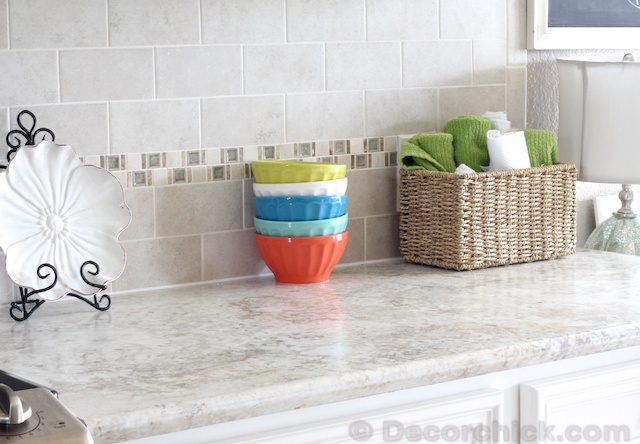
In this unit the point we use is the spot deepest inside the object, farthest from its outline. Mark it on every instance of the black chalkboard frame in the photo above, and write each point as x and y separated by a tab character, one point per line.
542	36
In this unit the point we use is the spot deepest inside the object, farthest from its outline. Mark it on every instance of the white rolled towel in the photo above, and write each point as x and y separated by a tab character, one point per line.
499	121
507	151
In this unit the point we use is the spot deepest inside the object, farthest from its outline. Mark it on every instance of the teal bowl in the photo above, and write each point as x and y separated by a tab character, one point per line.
307	228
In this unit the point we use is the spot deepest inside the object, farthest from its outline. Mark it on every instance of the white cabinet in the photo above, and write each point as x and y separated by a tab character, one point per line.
464	418
583	397
601	405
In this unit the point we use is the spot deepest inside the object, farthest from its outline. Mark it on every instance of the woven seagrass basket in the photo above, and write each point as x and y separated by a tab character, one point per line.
480	220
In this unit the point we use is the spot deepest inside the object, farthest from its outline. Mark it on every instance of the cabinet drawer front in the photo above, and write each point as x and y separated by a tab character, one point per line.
600	405
463	418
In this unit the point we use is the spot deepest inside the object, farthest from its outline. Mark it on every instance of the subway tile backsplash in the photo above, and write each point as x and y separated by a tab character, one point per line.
177	98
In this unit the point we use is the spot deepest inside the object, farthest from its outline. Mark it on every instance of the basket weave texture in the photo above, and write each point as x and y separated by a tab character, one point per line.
471	221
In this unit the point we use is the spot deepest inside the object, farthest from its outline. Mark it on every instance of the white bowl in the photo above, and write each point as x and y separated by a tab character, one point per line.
336	187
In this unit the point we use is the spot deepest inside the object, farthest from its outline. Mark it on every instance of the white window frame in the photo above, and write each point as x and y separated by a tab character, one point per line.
541	36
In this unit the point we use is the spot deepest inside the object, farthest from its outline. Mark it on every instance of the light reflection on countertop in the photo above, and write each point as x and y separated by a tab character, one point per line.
173	359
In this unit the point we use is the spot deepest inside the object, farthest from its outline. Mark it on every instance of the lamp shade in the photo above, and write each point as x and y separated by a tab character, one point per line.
599	118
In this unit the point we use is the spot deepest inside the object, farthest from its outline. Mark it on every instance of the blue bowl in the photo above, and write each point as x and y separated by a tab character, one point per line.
299	208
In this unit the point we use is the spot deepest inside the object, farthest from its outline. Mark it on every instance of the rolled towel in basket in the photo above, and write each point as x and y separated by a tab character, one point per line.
542	146
499	121
469	140
428	151
507	151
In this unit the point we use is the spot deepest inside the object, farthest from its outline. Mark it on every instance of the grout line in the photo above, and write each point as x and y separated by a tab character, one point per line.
200	21
153	74
8	26
109	148
242	82
366	34
200	129
59	85
106	15
286	33
202	259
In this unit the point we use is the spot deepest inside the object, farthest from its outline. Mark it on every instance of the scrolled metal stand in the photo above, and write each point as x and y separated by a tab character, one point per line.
20	311
28	133
23	309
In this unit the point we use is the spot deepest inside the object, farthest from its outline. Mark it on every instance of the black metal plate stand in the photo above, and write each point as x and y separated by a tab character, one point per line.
20	311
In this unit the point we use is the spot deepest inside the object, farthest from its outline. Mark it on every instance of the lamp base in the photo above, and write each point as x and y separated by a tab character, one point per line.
616	234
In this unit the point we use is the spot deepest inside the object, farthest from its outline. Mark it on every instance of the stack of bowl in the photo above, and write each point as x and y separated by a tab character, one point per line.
300	218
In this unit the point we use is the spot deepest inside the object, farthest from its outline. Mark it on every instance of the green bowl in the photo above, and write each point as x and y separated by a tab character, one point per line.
292	171
324	227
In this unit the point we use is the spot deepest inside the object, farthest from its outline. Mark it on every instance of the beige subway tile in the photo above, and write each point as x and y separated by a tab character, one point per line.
29	77
161	262
383	237
470	101
4	25
246	21
355	250
471	19
8	290
453	66
149	22
324	116
198	208
272	69
372	192
140	202
83	126
366	65
40	24
516	38
329	20
231	254
198	71
238	121
152	126
4	128
249	209
405	20
401	111
106	74
517	96
489	61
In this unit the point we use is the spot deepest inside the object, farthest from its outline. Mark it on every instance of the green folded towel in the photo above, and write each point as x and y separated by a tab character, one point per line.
469	140
430	151
542	146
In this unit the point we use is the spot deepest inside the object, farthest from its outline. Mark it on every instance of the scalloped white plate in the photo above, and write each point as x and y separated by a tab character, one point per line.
58	211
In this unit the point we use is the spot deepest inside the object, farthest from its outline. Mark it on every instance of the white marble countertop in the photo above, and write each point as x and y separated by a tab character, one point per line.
181	358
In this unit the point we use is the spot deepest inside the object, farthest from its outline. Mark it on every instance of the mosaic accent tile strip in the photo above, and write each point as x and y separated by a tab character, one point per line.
215	164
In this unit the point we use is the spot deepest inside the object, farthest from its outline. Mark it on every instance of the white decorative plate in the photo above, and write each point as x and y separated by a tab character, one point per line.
56	210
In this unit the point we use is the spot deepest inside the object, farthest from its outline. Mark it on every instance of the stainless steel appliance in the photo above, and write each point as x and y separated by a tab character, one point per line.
31	413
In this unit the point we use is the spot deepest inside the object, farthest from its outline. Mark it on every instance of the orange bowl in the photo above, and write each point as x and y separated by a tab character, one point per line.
302	260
